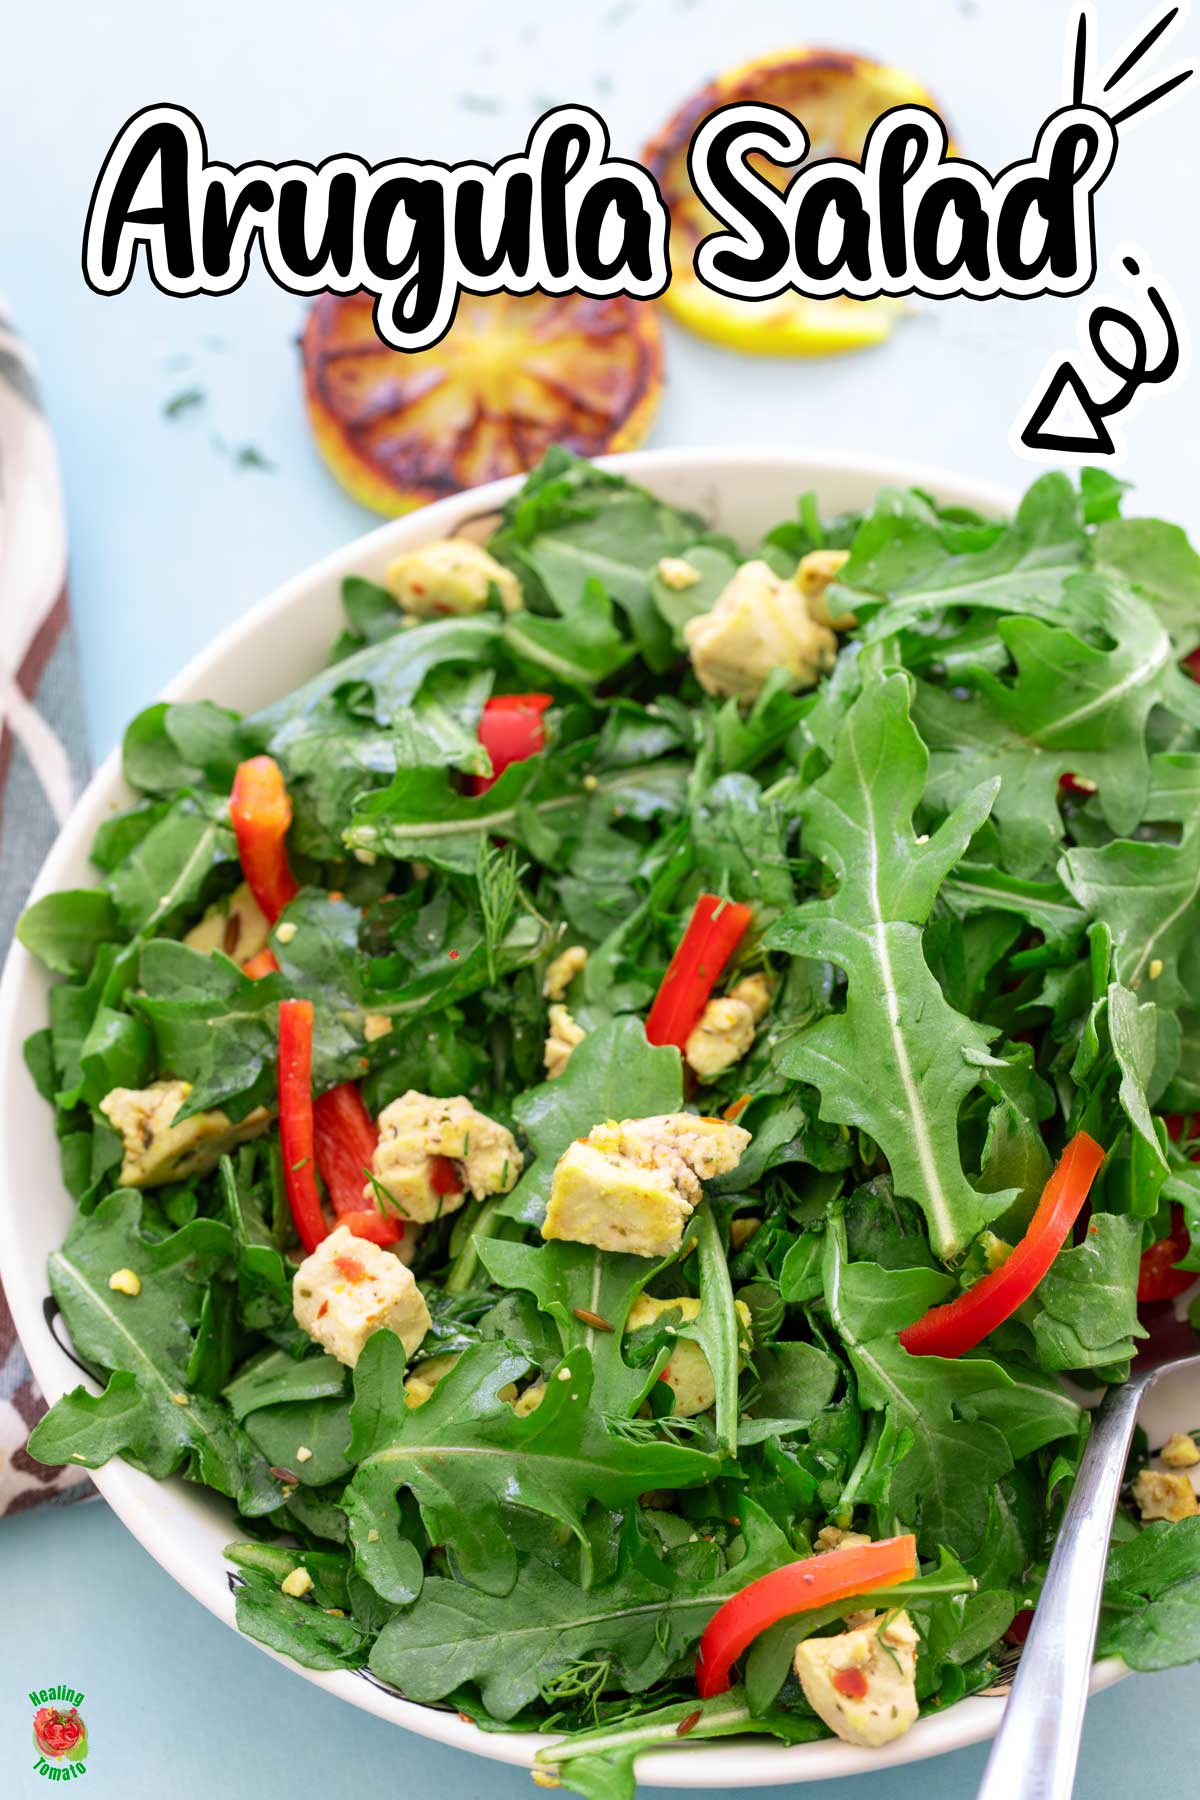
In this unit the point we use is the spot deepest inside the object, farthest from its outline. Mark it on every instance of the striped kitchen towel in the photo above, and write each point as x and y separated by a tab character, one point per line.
42	761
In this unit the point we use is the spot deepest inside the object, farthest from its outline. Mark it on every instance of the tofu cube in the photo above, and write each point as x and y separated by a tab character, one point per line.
349	1288
451	576
759	623
156	1149
863	1683
416	1128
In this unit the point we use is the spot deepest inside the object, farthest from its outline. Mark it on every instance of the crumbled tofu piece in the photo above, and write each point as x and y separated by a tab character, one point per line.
420	1382
741	1231
1179	1451
813	576
298	1583
451	576
303	1453
349	1288
633	1185
863	1682
561	972
759	623
687	1374
1155	969
414	1129
755	992
832	1537
125	1281
561	1039
676	573
286	932
156	1150
1163	1494
720	1037
237	925
376	1025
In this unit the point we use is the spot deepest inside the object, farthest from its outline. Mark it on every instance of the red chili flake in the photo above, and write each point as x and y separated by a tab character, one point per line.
735	1109
852	1683
454	956
688	1724
322	1309
350	1268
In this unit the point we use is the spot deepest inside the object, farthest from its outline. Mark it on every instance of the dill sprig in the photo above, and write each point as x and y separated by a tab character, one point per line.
499	878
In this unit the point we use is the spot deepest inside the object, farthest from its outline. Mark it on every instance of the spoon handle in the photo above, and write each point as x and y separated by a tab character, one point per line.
1037	1745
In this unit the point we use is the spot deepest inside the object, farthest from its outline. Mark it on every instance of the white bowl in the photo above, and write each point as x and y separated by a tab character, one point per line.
276	646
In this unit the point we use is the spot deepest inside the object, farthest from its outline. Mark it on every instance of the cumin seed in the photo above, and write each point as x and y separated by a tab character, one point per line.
591	1318
688	1724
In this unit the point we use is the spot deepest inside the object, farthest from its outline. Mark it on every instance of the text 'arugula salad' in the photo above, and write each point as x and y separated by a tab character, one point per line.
600	1121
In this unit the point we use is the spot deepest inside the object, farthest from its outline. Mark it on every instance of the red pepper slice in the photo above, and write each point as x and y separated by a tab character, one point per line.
345	1136
261	814
510	729
713	933
958	1326
1158	1278
296	1121
262	964
444	1178
797	1587
379	1228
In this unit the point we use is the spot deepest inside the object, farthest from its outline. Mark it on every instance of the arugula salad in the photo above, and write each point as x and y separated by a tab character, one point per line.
619	1123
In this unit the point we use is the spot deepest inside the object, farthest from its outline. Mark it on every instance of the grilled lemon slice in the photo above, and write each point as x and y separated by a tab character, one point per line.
513	375
837	96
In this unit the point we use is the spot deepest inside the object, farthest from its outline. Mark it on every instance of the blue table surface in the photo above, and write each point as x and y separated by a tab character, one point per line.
172	537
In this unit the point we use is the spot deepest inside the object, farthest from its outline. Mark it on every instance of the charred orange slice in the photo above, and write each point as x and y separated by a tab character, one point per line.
513	375
837	96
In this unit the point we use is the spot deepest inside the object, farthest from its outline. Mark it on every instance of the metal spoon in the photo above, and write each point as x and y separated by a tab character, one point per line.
1037	1745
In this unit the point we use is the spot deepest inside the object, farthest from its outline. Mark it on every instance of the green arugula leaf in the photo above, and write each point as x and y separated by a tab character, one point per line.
466	1455
1070	708
568	1279
1148	894
146	1341
1083	1313
309	1634
899	1060
1157	558
513	1645
64	931
167	873
1151	1605
212	1025
611	1075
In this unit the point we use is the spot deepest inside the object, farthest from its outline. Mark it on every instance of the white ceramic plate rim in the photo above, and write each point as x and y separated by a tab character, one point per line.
156	1512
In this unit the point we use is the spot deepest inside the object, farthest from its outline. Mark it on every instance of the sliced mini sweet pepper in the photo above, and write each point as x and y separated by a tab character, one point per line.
510	729
346	1137
261	814
796	1588
960	1324
713	933
296	1121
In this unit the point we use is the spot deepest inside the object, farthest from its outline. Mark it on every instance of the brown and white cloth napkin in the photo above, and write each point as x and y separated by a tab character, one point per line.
43	758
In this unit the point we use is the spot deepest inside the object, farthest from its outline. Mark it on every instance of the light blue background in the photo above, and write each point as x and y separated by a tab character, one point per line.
170	539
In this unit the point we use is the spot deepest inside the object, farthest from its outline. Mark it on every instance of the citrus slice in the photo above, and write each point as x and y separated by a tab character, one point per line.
837	97
513	375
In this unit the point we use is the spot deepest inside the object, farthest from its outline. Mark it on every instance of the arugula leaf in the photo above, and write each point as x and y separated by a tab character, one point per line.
1147	894
167	874
466	1455
566	1279
613	1070
213	1026
911	557
1086	1304
311	1635
1151	1604
168	747
898	1061
391	671
146	1412
716	570
580	650
1070	708
1157	558
513	1645
65	930
716	1327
